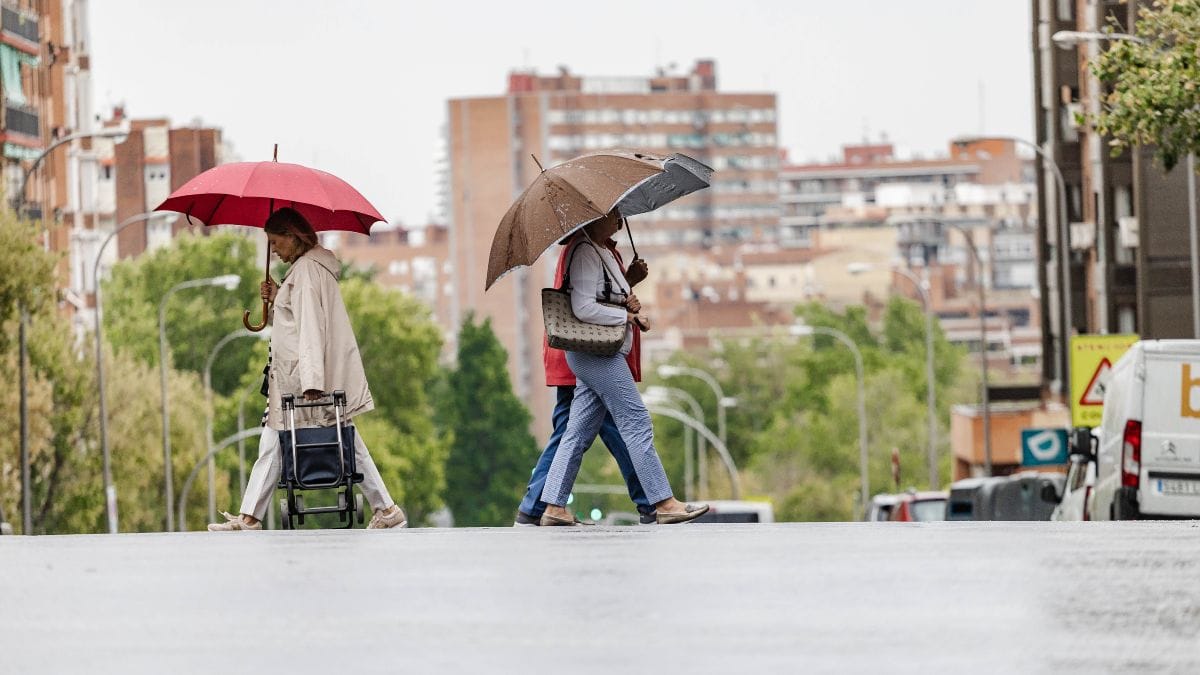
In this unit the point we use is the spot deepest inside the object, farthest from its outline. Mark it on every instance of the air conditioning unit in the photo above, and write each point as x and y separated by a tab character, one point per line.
1127	231
1083	236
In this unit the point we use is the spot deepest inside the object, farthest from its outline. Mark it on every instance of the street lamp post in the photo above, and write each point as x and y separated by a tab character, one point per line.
1064	255
804	329
110	490
230	282
722	451
208	411
723	402
671	393
984	395
18	207
241	424
922	287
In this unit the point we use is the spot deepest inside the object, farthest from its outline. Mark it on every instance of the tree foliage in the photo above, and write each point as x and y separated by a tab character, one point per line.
196	318
794	431
1154	95
492	449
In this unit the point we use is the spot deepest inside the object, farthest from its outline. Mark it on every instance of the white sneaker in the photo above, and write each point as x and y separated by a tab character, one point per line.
383	520
232	524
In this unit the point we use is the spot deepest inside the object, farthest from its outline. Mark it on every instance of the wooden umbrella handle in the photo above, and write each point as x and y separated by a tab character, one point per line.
266	306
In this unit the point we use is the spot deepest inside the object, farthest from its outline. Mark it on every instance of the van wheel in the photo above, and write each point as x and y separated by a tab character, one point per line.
1124	507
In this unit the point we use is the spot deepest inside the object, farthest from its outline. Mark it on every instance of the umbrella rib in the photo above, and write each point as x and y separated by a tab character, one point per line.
213	215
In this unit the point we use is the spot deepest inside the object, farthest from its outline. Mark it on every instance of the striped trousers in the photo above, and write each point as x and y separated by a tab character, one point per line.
604	385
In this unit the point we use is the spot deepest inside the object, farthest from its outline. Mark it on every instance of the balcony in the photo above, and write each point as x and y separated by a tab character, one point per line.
21	119
19	24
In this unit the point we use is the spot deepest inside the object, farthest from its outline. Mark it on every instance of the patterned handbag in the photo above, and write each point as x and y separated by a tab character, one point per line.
565	331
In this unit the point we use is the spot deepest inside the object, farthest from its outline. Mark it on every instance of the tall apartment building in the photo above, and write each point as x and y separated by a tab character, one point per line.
556	117
415	260
1128	225
45	82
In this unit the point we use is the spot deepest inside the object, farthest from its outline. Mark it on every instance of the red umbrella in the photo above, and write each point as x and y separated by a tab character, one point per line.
246	193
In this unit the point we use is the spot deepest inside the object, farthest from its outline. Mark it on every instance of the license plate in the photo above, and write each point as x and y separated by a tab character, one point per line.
1178	487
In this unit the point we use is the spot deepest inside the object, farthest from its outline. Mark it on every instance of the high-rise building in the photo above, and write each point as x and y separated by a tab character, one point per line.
1127	218
490	141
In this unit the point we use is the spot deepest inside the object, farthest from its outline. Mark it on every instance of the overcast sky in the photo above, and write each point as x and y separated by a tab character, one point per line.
359	88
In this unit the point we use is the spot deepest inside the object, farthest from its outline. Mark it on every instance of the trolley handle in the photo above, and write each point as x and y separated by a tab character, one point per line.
289	401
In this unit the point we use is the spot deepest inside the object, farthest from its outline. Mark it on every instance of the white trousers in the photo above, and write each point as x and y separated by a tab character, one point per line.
265	476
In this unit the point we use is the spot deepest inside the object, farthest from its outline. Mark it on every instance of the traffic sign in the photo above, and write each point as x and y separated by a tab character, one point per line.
1092	358
1040	447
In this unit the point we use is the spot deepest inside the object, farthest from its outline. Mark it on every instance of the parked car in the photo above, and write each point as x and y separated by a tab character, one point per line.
880	507
1023	496
1080	480
730	511
1148	464
971	499
915	506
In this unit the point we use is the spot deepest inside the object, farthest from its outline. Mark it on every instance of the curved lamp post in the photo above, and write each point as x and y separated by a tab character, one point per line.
1064	255
208	411
671	394
722	451
110	490
225	442
229	282
984	395
668	371
922	287
804	329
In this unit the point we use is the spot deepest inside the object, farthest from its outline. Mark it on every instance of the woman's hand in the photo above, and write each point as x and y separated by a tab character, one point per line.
267	290
313	395
638	270
633	304
643	322
631	317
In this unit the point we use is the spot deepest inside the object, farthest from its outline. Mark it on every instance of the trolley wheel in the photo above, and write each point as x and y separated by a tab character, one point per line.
299	508
358	508
285	516
342	504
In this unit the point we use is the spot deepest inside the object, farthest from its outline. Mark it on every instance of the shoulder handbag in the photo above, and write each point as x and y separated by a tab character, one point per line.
565	331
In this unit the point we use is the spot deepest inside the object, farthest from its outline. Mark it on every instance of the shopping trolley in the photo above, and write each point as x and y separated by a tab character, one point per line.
318	458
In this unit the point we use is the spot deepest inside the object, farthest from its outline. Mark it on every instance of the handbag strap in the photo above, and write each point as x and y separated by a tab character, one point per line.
566	284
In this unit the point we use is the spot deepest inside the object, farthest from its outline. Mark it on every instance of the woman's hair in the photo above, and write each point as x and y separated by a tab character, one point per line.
289	221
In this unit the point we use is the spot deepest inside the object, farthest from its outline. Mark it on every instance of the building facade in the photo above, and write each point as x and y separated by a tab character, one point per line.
1127	219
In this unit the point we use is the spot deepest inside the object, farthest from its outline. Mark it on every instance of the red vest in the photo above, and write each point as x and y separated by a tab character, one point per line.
558	373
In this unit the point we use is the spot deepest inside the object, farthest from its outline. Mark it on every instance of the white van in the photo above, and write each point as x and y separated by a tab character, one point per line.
1148	465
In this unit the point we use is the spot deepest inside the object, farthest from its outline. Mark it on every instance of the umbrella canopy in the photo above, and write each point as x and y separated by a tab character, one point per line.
566	197
245	193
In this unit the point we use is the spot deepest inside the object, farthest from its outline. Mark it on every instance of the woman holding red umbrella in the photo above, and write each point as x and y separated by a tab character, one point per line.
313	350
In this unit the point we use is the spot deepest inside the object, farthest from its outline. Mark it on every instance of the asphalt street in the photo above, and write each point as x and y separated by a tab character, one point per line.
700	598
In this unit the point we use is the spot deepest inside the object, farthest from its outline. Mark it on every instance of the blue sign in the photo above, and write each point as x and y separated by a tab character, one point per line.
1040	447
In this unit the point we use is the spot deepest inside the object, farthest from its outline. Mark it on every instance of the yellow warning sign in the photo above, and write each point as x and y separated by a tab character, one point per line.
1092	359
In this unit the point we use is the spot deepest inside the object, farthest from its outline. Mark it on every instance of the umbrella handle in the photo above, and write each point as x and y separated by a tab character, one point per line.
262	324
266	306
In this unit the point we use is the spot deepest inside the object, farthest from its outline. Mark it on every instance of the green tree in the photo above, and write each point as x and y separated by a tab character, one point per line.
794	432
1154	95
196	318
492	448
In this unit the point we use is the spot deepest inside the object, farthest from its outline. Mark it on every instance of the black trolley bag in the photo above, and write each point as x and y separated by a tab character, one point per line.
318	458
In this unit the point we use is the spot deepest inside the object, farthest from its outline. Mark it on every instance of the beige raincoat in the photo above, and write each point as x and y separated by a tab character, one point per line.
312	343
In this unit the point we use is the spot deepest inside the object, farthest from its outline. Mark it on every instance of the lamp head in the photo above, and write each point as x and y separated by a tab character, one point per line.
667	370
229	281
